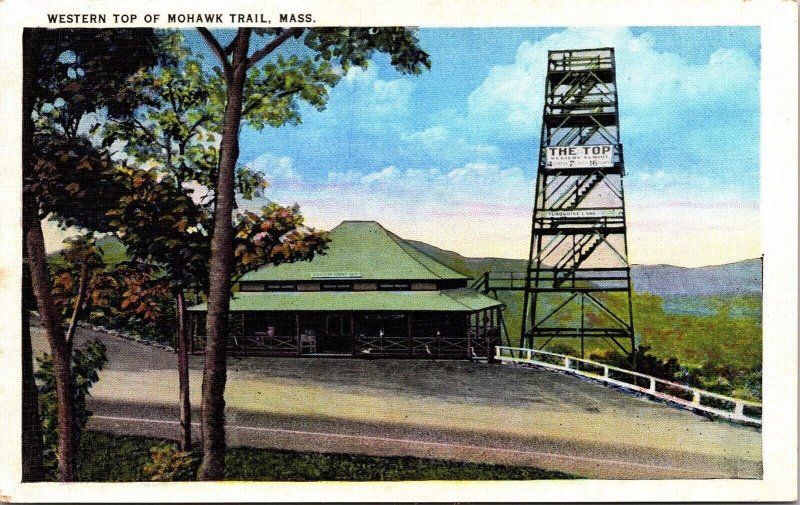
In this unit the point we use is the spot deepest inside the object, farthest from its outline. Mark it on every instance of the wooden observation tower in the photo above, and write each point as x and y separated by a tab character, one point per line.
578	285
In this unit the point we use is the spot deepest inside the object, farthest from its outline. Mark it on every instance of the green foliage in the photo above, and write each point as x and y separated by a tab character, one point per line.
79	252
668	369
175	128
719	352
85	68
275	235
355	46
173	138
170	464
86	363
69	75
273	90
116	458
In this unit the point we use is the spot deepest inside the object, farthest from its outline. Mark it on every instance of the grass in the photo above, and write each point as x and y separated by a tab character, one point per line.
117	458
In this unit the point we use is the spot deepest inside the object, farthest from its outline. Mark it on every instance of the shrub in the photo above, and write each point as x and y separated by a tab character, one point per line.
170	464
86	362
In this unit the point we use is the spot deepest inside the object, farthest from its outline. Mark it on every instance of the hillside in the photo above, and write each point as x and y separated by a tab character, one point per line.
740	278
666	281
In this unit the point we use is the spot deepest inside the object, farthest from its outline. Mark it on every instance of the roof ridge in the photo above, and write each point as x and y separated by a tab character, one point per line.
404	242
400	242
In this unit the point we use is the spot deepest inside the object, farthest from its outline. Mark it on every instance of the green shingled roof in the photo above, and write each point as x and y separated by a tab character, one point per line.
360	250
451	300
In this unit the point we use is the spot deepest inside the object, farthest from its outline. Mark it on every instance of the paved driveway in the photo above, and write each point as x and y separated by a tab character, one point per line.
443	409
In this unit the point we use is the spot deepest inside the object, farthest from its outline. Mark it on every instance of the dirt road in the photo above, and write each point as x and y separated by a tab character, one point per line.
446	409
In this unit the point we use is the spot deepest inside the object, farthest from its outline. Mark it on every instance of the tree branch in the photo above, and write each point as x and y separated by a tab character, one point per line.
277	96
82	288
213	43
203	118
147	132
229	48
277	41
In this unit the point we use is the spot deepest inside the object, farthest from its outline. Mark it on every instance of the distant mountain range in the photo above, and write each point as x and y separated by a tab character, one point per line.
740	278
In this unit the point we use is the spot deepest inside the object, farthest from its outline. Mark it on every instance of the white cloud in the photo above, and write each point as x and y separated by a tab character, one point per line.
484	209
385	175
440	142
373	96
510	97
279	170
448	208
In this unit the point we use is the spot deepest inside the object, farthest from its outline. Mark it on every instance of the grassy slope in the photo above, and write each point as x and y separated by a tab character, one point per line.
115	458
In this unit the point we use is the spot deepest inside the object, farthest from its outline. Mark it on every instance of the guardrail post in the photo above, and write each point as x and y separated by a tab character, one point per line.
739	409
696	397
652	384
605	371
528	354
566	362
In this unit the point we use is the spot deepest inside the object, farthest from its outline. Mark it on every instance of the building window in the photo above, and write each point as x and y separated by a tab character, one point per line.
394	286
423	286
337	286
251	286
281	287
306	286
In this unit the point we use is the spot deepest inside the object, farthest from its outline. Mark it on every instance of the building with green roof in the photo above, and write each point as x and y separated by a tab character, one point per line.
370	294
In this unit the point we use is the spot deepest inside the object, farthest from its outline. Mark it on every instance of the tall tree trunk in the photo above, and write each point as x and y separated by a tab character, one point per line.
40	281
31	424
183	374
32	470
59	346
220	266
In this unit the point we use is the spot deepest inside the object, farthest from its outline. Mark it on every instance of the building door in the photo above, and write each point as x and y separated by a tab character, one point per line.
338	334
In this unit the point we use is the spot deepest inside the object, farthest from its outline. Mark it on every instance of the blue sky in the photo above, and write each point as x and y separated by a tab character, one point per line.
448	156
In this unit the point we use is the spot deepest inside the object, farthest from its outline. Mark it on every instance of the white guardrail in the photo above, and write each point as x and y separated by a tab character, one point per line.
685	396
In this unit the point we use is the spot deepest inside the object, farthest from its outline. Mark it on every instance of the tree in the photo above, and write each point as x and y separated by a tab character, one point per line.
260	96
68	75
174	134
163	228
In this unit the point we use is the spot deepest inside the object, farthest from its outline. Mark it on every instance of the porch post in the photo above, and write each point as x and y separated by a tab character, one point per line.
410	337
469	335
297	332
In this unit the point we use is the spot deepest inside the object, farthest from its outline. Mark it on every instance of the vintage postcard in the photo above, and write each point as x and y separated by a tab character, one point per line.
443	251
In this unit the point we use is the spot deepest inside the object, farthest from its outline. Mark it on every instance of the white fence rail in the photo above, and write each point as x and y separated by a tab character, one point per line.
686	396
